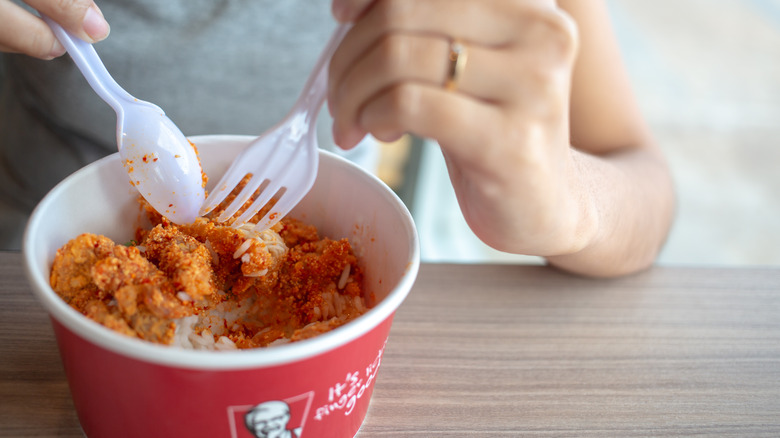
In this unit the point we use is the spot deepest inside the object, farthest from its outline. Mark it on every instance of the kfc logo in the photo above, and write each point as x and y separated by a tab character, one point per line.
271	419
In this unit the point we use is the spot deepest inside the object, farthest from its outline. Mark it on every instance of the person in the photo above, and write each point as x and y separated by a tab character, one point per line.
544	143
270	420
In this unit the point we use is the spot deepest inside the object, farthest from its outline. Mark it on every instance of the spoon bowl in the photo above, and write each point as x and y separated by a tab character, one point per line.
161	163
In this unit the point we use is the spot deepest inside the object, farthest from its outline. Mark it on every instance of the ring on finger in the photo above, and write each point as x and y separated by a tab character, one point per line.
458	57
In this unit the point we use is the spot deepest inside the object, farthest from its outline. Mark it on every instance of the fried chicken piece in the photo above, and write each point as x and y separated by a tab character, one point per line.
295	232
122	266
71	272
240	256
112	318
312	269
183	259
153	329
117	287
141	324
223	242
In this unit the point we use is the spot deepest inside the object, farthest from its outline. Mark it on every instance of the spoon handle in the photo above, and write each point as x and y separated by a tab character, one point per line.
87	60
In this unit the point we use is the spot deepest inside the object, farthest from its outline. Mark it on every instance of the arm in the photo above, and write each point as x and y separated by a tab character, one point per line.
545	146
627	175
23	32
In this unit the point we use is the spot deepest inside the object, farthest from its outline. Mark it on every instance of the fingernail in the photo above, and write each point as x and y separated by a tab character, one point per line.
340	138
336	135
348	139
95	25
339	10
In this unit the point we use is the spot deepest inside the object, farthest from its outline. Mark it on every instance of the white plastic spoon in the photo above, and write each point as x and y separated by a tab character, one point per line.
161	162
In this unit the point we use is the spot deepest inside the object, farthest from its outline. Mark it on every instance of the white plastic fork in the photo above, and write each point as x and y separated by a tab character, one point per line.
283	161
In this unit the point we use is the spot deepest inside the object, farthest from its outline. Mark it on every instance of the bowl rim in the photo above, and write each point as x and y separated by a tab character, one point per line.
222	360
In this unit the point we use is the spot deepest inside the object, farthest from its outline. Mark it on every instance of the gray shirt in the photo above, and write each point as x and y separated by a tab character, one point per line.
215	67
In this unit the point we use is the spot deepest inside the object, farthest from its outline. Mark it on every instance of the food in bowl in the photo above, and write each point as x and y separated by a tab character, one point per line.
212	286
327	380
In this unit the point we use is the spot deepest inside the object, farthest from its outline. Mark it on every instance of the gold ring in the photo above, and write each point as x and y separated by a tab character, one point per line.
457	57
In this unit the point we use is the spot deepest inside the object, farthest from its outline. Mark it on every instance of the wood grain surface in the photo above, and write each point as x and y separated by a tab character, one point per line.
503	350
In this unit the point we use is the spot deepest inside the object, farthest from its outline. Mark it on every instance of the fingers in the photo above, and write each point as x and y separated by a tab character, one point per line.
349	10
80	17
24	32
417	59
462	125
512	51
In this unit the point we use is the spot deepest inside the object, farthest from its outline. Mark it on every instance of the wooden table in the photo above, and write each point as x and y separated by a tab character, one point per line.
500	350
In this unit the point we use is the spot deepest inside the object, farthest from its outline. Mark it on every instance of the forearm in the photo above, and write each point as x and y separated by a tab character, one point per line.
631	194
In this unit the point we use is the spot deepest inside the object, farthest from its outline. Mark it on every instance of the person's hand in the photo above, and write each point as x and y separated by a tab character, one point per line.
500	113
24	32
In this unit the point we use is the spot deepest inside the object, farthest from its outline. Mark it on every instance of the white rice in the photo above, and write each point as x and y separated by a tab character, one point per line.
214	255
259	273
344	276
242	248
270	239
209	330
184	297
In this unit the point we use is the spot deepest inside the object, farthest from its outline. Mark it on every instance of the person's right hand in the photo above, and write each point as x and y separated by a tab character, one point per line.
24	32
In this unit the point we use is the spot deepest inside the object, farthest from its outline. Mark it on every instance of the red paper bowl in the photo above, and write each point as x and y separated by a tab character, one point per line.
319	387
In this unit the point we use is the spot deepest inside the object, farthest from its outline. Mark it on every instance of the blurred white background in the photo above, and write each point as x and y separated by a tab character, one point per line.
707	75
